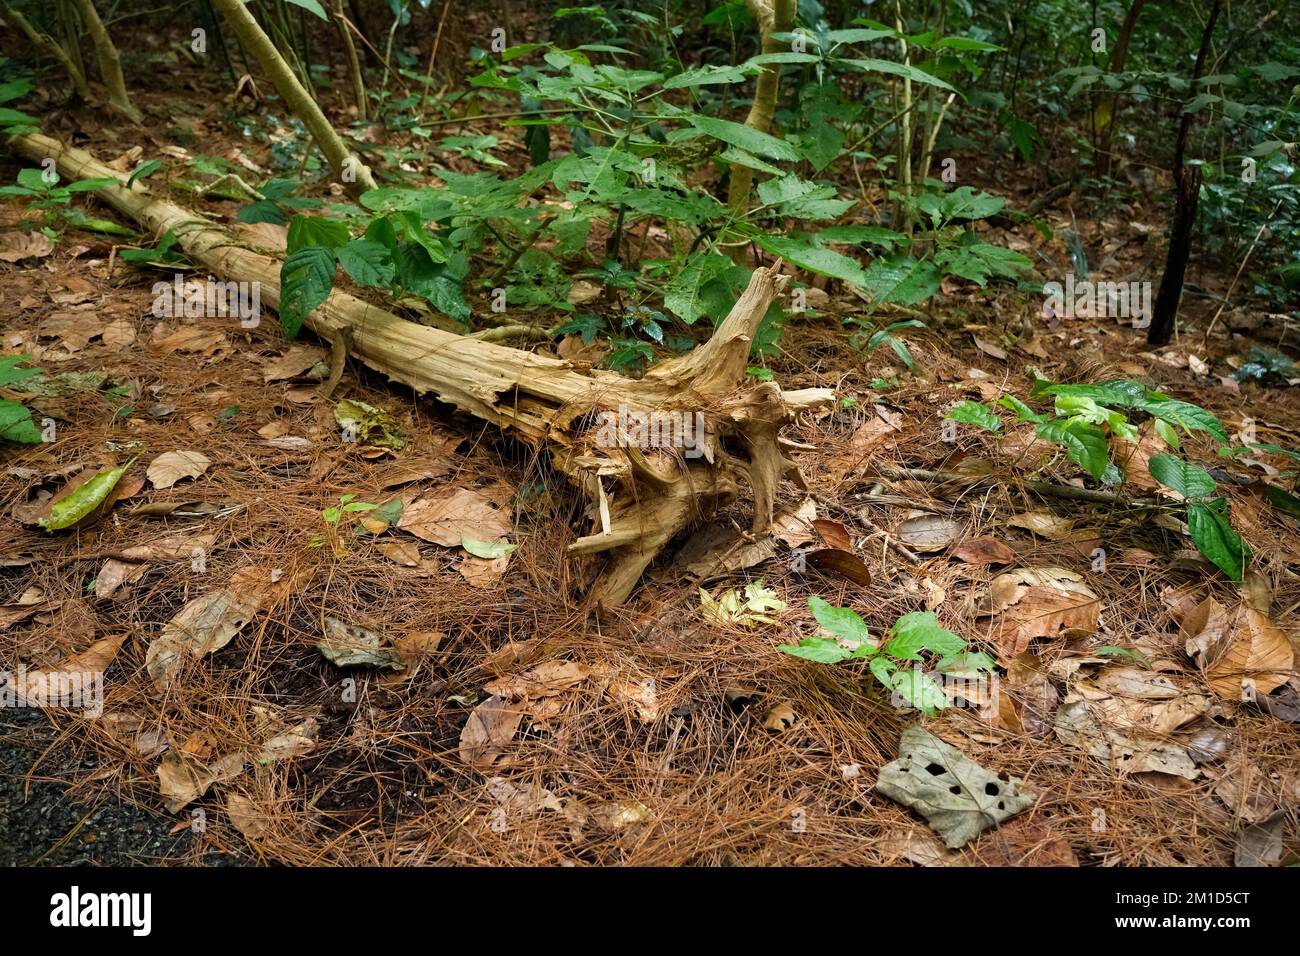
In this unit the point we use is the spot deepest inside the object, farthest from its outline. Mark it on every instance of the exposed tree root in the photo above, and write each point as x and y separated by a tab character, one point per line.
641	496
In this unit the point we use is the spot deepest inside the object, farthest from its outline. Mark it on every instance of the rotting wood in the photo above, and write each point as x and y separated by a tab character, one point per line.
640	497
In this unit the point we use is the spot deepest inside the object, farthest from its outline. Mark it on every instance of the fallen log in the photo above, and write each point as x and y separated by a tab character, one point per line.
641	496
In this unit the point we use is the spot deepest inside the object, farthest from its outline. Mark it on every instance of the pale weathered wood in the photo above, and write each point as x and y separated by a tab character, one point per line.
649	495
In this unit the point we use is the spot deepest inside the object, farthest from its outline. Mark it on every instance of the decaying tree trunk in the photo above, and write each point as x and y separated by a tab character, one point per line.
640	497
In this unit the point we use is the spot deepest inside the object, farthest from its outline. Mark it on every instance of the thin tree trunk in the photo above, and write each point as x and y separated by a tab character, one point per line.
110	64
641	498
351	172
45	43
1187	189
1108	105
772	16
354	65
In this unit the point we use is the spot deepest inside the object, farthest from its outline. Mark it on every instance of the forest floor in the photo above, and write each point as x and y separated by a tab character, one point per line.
655	735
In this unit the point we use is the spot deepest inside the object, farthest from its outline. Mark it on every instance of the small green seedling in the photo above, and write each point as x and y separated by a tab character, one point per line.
911	636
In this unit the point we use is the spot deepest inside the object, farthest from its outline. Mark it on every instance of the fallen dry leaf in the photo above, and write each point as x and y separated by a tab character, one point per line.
1039	602
206	624
247	818
483	572
983	550
1043	523
928	532
183	779
1122	752
16	246
170	467
446	519
81	675
491	726
1242	654
399	552
779	717
296	361
544	680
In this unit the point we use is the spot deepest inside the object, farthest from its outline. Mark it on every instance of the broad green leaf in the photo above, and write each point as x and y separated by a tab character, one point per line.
873	65
826	262
1186	416
743	137
919	690
975	413
34	179
1023	412
683	296
487	549
16	423
85	500
1190	481
311	6
901	280
1085	445
9	371
306	278
823	650
307	231
1214	537
707	75
1168	434
143	171
920	631
367	263
841	621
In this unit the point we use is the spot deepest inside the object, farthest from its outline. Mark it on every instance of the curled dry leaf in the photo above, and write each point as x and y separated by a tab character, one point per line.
844	563
447	518
928	532
1142	701
170	467
79	674
983	550
643	695
247	818
1039	602
206	624
182	779
544	680
488	731
779	717
293	363
483	572
399	552
1044	524
1122	752
1242	654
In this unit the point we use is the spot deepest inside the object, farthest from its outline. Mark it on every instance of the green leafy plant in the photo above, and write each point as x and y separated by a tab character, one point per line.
1085	417
16	422
913	637
41	188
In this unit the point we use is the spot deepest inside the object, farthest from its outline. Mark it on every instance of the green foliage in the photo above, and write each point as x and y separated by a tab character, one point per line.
911	636
1084	419
16	423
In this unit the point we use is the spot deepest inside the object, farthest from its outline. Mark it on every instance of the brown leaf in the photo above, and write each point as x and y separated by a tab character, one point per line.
446	518
779	717
79	673
1024	843
183	779
840	562
928	532
483	572
116	573
1039	602
206	624
170	467
490	728
299	359
1043	523
247	818
399	552
16	246
833	534
1242	654
983	550
544	680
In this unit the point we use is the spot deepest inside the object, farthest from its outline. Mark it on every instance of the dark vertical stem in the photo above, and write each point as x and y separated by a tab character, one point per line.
1187	186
